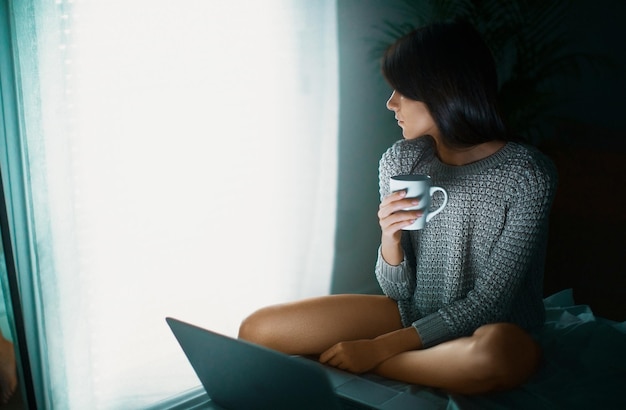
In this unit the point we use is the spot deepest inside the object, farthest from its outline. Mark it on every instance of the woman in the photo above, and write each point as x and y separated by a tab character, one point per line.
463	294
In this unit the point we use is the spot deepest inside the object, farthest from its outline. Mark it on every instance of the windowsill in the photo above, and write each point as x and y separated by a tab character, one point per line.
192	399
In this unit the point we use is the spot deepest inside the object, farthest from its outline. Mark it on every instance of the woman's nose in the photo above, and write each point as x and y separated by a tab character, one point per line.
391	102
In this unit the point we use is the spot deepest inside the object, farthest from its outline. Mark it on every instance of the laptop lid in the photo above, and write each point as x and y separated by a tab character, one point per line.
240	375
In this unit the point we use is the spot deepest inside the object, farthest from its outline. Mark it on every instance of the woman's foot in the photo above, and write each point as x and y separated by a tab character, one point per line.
8	372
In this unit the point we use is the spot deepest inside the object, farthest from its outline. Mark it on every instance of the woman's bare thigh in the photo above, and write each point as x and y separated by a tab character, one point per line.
311	326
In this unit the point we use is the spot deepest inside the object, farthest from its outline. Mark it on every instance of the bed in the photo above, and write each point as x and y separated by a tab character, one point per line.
584	366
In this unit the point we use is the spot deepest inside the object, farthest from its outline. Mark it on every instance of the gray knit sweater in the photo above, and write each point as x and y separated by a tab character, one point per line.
481	259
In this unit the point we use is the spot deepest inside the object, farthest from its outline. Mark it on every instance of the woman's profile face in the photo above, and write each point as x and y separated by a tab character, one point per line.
413	117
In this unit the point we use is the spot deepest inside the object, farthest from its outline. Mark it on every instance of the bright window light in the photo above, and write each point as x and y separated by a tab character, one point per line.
186	168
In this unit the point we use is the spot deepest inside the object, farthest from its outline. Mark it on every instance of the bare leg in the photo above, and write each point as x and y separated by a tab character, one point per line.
311	326
8	372
496	357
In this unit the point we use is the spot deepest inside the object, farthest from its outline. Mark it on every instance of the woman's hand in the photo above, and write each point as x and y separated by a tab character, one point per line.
392	218
357	356
360	356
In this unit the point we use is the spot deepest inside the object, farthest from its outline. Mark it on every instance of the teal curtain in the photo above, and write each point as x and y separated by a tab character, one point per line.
19	300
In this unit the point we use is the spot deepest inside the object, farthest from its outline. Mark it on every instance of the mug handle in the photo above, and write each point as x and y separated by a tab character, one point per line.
445	201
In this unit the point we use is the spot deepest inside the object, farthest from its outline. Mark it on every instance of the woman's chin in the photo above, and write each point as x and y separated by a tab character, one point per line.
408	136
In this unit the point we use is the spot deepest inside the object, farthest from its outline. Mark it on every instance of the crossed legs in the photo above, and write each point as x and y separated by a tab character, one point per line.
495	357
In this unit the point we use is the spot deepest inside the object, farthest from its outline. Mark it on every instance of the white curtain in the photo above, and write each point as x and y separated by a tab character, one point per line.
182	162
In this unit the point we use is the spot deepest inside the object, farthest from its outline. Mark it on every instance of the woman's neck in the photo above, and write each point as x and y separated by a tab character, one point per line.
464	156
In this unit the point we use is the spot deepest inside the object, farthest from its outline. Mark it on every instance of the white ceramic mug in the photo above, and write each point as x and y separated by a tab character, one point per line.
419	186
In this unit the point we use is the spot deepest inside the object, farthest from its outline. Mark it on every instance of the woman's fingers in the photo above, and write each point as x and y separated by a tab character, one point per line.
392	214
400	218
329	357
392	198
395	202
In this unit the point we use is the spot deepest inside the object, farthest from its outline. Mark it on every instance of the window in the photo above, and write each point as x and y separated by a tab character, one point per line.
180	160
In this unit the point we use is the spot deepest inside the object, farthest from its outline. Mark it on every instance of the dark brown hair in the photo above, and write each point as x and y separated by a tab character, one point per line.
449	67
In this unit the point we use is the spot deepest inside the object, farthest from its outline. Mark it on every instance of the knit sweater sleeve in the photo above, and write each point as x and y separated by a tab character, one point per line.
397	282
519	247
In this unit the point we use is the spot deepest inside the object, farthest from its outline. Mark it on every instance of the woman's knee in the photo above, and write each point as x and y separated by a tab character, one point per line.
257	328
312	325
507	355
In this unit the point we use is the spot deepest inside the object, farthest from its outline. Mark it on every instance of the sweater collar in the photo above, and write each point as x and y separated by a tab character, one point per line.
440	169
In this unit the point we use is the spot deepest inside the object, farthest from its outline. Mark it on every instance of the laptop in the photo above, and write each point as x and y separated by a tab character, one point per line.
239	375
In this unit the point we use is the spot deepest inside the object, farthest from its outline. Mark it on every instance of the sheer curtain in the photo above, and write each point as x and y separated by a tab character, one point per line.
181	161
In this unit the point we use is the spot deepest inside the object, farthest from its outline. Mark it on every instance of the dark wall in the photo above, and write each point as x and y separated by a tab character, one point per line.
587	144
588	221
597	97
366	130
